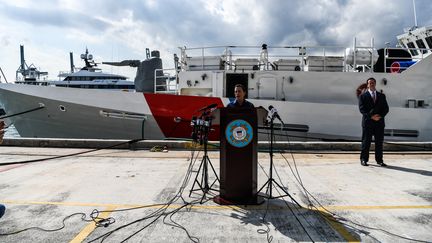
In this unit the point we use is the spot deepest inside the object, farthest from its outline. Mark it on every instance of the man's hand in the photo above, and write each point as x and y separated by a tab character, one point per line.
376	117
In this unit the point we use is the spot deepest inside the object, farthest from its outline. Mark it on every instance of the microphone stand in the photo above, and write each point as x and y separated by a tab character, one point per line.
203	184
269	183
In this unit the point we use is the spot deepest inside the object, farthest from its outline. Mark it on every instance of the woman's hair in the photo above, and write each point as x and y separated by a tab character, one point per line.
361	89
240	86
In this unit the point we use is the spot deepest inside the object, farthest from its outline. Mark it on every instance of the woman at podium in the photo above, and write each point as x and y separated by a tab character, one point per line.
240	101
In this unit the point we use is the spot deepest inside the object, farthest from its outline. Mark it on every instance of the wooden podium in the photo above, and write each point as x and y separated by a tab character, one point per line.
238	154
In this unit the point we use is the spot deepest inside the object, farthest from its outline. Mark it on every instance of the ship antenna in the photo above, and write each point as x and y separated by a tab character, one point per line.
415	15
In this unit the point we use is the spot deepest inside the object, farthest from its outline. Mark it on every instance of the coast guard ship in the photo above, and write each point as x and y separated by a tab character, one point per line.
314	89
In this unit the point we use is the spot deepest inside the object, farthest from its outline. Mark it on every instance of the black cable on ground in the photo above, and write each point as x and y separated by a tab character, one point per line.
295	165
336	217
298	210
23	112
83	217
108	221
266	231
70	155
94	217
162	211
298	220
105	222
261	231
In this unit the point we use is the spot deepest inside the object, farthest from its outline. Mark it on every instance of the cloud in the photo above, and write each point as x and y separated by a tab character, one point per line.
248	22
5	41
252	22
53	17
134	25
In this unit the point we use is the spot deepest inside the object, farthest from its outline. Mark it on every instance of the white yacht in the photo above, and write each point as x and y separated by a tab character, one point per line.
87	77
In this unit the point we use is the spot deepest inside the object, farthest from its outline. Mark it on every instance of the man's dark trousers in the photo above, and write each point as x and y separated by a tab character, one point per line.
375	129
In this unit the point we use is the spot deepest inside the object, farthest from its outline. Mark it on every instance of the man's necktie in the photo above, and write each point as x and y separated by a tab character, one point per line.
374	96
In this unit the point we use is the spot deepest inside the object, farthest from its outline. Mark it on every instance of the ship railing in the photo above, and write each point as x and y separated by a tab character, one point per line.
165	81
20	79
399	63
295	58
63	74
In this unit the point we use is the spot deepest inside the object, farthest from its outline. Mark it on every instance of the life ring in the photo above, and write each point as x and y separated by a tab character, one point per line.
395	67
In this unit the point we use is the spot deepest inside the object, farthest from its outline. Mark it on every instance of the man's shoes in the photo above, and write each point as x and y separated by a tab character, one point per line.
381	164
363	162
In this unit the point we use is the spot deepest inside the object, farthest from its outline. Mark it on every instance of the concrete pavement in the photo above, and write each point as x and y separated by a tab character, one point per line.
372	200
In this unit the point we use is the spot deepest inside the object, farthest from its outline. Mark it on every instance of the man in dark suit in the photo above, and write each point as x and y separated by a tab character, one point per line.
373	105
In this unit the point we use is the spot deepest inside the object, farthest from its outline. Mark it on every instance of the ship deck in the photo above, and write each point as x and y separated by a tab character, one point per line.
350	202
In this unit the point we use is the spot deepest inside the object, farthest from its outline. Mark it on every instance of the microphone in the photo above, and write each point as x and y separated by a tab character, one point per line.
274	113
208	107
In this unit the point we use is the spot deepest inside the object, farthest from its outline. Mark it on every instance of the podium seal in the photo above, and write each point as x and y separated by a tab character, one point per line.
239	133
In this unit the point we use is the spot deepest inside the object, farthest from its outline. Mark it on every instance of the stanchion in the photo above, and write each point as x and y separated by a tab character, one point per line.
201	129
272	182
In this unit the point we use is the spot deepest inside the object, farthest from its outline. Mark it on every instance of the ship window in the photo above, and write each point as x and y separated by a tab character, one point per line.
429	41
421	44
401	133
413	52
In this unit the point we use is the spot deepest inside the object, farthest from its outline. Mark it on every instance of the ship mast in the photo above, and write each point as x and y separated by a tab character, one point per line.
415	14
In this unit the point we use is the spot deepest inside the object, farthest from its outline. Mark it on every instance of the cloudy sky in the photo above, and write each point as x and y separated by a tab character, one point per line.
116	30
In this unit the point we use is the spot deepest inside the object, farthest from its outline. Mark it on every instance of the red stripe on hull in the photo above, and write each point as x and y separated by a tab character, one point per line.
166	109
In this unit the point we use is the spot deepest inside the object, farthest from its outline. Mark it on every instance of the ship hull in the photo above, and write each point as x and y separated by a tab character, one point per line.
81	113
77	115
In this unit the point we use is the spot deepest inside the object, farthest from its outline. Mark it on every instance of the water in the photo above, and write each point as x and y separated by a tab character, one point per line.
11	132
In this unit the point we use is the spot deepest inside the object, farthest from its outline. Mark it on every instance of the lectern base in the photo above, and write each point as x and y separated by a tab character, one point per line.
256	200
